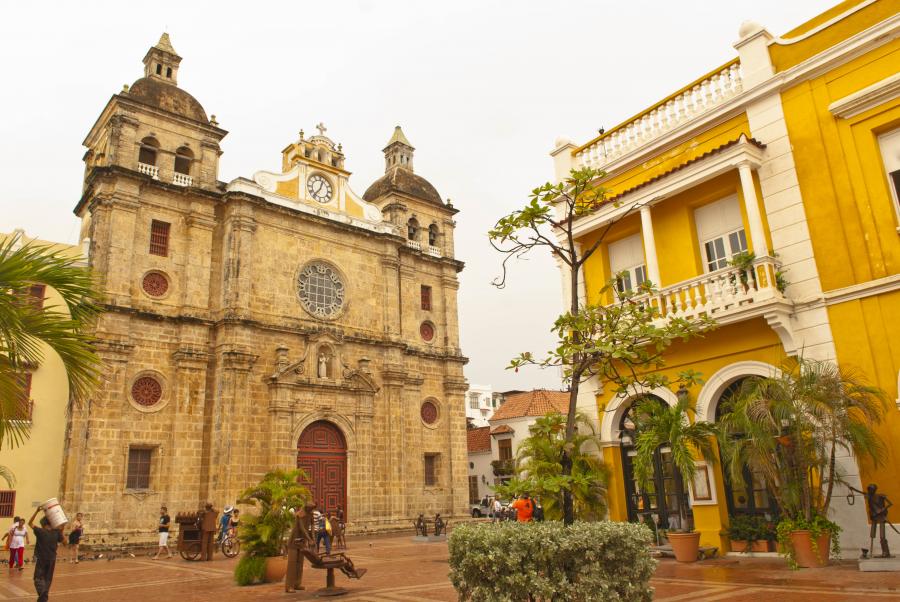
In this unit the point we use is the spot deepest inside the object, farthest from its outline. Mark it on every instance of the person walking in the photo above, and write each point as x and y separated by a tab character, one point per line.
162	527
208	531
18	539
77	530
301	539
524	508
47	539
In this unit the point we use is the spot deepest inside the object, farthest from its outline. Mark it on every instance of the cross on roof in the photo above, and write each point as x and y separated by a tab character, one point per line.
322	129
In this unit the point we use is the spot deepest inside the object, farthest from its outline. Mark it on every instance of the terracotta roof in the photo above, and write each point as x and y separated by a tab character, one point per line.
718	149
478	440
532	403
502	429
401	179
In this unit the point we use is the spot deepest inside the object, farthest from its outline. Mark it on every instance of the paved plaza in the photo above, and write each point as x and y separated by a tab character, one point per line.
403	571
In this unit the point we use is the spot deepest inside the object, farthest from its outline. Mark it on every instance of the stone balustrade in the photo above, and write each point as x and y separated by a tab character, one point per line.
433	251
720	293
181	179
692	102
414	244
150	170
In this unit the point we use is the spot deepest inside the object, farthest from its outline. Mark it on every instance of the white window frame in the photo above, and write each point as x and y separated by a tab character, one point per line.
728	247
720	221
628	263
889	145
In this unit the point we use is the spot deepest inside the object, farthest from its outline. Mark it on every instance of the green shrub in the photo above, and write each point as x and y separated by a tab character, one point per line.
750	528
250	570
514	562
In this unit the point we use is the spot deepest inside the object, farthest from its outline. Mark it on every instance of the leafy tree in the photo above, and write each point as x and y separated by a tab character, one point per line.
658	424
540	472
276	495
27	330
790	427
622	343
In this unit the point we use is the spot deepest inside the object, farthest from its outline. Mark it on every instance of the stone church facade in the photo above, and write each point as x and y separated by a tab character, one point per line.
269	322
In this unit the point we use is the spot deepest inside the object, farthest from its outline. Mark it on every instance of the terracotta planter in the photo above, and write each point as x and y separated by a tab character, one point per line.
740	545
276	568
686	546
804	554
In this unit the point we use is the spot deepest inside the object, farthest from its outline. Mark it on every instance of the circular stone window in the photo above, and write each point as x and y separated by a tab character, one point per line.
155	284
146	391
426	330
429	412
321	290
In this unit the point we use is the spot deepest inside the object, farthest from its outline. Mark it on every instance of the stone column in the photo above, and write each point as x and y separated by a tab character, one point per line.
393	377
751	204
186	442
455	388
197	260
649	246
391	309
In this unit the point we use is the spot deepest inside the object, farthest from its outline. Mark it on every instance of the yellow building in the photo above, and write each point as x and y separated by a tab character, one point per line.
790	151
37	463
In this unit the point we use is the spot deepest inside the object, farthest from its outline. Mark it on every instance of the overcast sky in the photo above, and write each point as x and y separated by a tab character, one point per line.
482	89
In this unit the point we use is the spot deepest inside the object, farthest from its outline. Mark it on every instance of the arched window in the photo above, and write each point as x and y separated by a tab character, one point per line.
183	159
148	151
412	229
432	235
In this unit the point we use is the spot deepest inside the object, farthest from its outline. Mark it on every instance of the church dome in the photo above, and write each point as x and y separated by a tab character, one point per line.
402	180
168	97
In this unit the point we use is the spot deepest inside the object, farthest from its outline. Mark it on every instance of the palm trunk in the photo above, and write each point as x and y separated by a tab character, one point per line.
832	461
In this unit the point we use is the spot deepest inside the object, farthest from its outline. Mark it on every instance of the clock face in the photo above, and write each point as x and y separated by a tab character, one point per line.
319	188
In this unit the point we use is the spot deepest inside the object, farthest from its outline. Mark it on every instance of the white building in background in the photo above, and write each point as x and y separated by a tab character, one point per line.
481	474
480	405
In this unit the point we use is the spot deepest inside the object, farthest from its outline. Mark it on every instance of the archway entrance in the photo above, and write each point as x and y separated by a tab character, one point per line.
664	496
322	453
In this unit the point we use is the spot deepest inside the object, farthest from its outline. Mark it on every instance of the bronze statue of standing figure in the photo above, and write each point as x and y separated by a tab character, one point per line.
877	504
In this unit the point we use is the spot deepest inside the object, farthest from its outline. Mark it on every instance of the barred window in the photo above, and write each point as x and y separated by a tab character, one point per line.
25	406
321	290
7	503
139	468
36	295
431	461
426	297
159	238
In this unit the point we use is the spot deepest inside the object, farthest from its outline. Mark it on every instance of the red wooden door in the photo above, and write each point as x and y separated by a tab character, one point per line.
322	453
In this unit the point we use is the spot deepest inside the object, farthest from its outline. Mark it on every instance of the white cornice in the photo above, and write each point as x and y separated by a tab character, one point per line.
868	98
861	291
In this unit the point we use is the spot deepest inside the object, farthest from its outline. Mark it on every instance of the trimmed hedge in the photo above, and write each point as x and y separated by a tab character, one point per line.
515	562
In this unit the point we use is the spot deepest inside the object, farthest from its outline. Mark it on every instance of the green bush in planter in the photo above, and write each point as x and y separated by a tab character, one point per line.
514	562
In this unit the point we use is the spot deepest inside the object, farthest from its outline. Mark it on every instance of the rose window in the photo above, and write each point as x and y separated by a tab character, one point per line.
427	331
429	413
155	284
321	290
146	391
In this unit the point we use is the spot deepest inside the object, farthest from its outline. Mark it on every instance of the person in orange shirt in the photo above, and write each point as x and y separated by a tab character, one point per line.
524	508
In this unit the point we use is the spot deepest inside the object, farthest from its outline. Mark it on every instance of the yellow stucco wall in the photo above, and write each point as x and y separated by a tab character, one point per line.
37	463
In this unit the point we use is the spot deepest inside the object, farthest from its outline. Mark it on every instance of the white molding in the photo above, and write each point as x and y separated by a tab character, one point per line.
612	414
822	26
718	382
688	177
711	473
861	291
868	98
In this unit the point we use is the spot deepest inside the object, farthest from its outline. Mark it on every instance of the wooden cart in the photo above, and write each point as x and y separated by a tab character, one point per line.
189	543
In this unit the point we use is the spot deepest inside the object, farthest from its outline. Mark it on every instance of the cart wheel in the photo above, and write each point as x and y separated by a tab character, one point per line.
231	547
192	552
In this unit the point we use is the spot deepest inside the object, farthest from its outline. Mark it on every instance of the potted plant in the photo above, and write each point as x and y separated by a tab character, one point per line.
749	534
790	428
658	425
262	534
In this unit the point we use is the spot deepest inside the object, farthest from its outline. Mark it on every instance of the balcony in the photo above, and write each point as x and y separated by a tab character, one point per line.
150	170
180	179
696	99
731	295
414	244
433	251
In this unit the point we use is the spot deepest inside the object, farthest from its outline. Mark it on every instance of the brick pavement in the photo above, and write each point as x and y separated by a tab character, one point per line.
403	571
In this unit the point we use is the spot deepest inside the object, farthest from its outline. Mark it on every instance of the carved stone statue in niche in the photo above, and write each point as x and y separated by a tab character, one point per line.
323	365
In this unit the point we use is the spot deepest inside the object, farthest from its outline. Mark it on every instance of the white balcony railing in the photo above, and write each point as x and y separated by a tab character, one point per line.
150	170
722	293
695	100
181	179
414	244
433	251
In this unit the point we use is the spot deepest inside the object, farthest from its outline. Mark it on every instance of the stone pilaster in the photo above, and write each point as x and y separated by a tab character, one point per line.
455	388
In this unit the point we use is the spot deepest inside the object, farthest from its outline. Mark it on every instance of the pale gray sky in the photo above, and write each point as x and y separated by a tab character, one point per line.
481	88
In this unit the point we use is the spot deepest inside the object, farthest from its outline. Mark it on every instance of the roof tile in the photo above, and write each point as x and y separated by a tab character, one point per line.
478	440
532	403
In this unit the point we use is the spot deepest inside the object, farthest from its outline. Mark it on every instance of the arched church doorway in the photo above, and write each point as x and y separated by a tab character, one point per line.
322	453
663	497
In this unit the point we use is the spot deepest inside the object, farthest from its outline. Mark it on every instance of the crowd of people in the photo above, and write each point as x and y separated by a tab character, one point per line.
46	543
523	509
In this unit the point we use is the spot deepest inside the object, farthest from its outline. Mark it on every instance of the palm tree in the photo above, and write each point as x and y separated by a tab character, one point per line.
276	495
658	425
791	426
27	329
540	471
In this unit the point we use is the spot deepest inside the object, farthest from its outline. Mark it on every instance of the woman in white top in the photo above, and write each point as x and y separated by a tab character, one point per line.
18	539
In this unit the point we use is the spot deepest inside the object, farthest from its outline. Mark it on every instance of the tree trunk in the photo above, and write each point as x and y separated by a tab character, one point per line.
577	370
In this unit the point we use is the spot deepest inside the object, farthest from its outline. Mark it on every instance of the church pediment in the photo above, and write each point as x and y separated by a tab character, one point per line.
322	366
